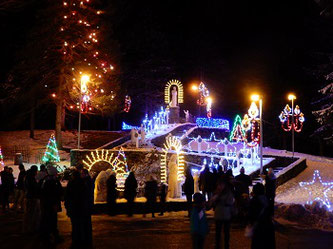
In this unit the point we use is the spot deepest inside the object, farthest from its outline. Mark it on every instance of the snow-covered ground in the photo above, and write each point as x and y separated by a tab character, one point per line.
291	192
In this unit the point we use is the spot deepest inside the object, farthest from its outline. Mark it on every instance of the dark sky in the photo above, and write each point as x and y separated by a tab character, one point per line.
236	47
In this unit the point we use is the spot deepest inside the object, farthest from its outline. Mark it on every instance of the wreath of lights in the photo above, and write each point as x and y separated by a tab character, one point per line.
180	89
172	144
286	119
251	126
128	102
117	163
326	186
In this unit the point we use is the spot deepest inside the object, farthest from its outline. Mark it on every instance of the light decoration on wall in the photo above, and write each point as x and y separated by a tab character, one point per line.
51	154
172	144
125	127
203	94
180	91
286	119
318	190
1	158
251	125
117	163
159	119
216	123
238	133
128	102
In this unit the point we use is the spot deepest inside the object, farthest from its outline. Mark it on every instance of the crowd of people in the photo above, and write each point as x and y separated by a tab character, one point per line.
38	194
230	198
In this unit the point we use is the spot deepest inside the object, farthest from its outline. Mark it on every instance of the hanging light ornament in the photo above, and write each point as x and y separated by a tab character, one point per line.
128	102
286	119
251	125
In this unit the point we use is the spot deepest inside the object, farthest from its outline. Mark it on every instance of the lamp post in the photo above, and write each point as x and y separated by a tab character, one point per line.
256	97
292	97
84	80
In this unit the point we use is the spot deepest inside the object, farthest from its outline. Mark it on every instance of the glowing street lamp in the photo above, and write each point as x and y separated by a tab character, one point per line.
194	88
296	124
255	98
83	89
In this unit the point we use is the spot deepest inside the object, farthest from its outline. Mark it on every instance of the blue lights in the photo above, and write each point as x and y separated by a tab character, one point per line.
217	123
125	126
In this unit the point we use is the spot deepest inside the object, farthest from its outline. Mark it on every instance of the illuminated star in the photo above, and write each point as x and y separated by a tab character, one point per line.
318	189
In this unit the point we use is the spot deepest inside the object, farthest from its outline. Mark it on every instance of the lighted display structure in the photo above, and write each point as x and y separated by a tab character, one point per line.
51	154
117	163
216	123
125	126
180	90
286	119
172	144
318	190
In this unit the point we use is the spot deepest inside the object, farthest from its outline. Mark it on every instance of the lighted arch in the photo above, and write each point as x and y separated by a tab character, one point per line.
180	89
172	144
117	163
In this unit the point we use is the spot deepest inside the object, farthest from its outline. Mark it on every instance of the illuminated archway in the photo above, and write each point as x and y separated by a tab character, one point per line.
180	90
172	144
117	163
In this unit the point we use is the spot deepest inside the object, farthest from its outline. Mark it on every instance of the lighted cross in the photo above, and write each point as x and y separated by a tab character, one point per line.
318	189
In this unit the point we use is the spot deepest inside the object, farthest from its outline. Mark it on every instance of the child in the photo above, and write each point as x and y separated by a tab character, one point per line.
199	224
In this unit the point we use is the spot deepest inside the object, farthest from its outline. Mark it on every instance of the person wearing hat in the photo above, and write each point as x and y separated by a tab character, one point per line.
198	221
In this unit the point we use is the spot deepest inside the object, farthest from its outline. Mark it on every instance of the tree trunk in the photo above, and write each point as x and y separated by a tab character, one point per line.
59	110
63	117
32	122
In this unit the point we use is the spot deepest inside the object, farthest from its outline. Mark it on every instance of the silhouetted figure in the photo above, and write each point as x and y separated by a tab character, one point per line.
7	186
260	219
223	201
79	203
189	190
270	188
220	172
31	220
214	177
130	192
204	182
150	194
199	224
112	194
42	173
245	181
163	195
19	190
50	202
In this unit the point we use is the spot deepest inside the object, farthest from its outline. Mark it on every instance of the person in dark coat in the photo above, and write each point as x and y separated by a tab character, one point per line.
242	183
130	192
214	177
163	195
31	220
79	203
270	188
189	190
112	194
204	183
19	191
7	187
50	202
260	220
220	172
245	181
151	194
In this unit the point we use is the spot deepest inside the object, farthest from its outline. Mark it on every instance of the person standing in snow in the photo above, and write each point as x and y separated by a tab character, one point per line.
270	189
130	192
189	190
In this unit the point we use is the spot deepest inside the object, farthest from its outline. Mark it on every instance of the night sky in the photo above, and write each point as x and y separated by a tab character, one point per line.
236	47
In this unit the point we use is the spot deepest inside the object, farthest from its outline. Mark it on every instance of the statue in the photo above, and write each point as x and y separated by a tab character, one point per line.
143	135
173	177
187	116
100	186
173	102
133	136
136	137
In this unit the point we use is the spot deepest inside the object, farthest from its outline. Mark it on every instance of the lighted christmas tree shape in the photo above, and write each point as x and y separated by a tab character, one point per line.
238	133
121	169
51	154
1	159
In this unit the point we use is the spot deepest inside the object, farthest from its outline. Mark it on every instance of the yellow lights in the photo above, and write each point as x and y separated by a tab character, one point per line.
194	88
53	95
84	80
65	3
99	12
172	144
168	89
209	100
291	97
65	44
255	97
111	67
65	17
